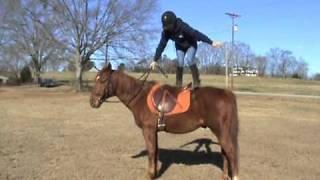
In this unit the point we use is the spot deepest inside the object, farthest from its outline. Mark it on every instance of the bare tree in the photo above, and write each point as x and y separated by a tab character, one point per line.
316	77
261	64
90	25
303	68
58	61
284	64
3	13
12	61
285	61
300	68
2	38
244	57
31	32
211	59
273	57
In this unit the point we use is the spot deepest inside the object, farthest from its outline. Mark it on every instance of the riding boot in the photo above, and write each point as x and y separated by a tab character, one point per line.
179	75
195	76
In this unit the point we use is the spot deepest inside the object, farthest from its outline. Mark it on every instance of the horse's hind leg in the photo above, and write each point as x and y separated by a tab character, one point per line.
225	175
230	154
151	140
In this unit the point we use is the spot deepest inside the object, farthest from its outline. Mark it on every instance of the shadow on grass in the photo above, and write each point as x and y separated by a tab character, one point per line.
196	157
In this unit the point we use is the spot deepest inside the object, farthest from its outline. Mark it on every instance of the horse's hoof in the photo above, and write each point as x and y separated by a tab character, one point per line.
150	176
159	167
235	178
225	177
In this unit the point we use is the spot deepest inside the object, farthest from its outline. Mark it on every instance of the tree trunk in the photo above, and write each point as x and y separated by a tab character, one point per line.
38	78
78	71
36	70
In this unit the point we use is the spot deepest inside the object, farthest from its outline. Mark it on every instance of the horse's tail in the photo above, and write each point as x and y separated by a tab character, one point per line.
234	129
235	119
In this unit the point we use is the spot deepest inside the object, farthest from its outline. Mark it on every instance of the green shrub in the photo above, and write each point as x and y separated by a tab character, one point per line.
25	75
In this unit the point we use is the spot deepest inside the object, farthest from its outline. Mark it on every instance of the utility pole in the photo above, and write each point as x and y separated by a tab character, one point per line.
106	55
233	16
226	55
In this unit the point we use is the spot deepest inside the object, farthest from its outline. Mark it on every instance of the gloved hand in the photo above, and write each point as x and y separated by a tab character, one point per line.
153	65
217	44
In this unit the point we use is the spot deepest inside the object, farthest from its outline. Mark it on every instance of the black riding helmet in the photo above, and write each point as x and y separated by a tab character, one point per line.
168	20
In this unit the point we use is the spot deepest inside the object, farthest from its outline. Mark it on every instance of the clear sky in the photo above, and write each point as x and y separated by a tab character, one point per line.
287	24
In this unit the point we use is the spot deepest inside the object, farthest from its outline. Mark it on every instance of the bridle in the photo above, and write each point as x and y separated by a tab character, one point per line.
109	88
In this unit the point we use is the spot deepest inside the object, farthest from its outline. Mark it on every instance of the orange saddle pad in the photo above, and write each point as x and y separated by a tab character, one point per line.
167	100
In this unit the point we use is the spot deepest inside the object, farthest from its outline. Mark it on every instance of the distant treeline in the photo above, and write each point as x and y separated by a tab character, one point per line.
275	63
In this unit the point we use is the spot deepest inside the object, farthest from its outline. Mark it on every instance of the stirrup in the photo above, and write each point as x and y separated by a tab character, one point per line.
161	126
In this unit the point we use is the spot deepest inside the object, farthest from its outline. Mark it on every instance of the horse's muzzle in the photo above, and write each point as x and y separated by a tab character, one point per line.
95	102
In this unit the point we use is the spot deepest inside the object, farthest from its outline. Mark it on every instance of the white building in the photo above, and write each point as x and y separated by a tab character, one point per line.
241	71
3	80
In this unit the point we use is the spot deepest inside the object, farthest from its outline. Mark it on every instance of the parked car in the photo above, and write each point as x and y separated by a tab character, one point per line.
48	83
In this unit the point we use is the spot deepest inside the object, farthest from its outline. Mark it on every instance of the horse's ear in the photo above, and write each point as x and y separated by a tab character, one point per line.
97	68
109	66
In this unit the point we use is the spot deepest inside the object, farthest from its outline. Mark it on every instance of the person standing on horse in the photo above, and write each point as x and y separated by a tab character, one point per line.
185	38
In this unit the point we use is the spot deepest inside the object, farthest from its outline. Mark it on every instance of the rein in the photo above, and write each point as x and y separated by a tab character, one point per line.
145	76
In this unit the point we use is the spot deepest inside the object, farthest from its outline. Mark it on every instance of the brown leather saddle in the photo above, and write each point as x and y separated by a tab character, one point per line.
166	100
169	100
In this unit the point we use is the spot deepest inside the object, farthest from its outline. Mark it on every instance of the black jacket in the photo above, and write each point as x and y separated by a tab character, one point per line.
184	37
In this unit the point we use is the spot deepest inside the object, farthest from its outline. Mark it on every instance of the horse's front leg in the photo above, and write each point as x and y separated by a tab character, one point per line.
151	139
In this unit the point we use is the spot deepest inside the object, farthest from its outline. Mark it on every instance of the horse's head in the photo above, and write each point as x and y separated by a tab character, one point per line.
103	88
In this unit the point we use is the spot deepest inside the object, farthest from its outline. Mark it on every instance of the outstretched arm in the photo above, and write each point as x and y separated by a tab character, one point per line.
162	44
199	36
202	37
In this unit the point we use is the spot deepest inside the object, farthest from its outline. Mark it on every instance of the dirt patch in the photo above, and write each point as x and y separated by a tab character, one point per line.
55	134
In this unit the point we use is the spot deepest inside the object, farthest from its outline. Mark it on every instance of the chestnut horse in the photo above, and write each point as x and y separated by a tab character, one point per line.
210	107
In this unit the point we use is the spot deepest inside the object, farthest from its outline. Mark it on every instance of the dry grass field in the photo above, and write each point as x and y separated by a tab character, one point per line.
53	133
